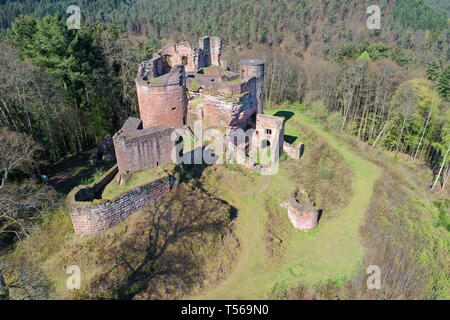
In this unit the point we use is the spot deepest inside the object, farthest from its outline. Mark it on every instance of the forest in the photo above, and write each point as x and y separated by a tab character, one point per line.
62	91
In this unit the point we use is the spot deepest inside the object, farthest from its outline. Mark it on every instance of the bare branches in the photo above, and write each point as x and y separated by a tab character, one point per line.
16	152
22	200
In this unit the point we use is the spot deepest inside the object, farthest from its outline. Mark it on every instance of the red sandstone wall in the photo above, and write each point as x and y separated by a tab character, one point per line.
215	116
292	151
162	105
177	52
143	152
89	218
304	222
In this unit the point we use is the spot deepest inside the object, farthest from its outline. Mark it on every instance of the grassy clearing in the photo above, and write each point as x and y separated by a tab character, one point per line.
139	178
333	251
404	232
234	80
276	229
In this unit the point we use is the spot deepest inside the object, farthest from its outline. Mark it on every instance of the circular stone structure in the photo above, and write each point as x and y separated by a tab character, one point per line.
162	99
302	217
250	68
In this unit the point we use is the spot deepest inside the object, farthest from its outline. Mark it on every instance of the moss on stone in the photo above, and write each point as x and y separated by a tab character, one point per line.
194	85
196	101
235	98
235	80
155	80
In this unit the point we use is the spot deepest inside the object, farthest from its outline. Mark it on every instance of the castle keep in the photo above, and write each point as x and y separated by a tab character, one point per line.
181	84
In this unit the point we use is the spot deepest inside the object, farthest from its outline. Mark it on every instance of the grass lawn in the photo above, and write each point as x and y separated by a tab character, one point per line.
332	251
139	178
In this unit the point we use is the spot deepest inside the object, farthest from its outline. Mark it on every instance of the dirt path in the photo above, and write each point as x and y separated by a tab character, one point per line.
333	252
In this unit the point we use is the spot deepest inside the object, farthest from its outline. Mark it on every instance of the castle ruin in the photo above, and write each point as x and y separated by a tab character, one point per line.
180	85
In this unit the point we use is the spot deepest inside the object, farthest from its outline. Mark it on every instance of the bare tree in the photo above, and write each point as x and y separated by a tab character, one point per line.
440	170
22	199
405	99
352	78
25	281
4	290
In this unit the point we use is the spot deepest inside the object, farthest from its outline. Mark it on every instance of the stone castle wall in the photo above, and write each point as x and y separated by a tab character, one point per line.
165	105
269	130
254	68
295	152
233	104
302	217
163	100
93	217
139	149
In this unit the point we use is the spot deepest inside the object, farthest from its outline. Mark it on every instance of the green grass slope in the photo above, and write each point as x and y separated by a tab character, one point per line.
333	251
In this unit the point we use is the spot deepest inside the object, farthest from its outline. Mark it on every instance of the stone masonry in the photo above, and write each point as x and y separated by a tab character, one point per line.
181	84
269	133
89	217
302	217
139	149
161	96
295	152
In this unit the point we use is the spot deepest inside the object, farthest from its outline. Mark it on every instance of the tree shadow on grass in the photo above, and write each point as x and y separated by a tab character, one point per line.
289	139
285	114
165	264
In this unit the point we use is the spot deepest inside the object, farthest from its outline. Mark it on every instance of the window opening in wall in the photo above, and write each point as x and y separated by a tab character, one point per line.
184	60
268	131
265	144
166	63
174	108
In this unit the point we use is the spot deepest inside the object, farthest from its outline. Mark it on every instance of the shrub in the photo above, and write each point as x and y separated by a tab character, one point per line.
334	121
318	110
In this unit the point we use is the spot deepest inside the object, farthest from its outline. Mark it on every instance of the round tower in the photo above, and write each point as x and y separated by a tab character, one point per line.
162	99
254	68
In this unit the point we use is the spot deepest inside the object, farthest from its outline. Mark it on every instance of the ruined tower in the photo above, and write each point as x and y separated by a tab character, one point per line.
210	50
161	90
254	68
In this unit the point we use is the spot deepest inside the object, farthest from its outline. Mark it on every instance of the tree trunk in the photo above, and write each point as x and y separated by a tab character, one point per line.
440	170
379	135
423	132
400	137
4	291
446	176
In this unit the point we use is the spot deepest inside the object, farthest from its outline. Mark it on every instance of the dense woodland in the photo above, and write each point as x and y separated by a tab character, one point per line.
62	91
